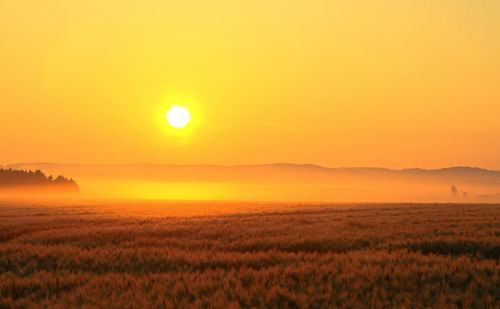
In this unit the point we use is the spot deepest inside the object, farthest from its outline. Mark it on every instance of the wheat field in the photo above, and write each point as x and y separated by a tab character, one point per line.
219	255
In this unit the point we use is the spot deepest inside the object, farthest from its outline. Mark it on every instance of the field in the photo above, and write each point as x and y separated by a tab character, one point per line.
220	255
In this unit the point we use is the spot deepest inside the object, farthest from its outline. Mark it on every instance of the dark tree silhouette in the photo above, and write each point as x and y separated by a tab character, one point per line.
454	191
10	178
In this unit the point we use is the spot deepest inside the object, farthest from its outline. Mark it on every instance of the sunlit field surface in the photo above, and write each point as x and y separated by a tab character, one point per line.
229	255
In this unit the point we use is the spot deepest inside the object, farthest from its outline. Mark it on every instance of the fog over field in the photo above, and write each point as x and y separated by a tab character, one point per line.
277	182
249	154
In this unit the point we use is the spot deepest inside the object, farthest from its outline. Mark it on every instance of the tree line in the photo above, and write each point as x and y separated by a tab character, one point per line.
21	178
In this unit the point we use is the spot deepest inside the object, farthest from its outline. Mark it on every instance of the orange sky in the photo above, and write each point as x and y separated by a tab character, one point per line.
337	83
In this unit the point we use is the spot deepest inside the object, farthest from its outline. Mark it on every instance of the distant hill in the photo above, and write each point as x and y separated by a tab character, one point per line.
277	172
15	179
282	181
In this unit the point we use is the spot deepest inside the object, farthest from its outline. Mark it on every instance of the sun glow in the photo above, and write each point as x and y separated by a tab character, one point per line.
178	117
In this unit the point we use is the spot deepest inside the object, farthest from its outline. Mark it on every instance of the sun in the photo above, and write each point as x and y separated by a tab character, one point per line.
178	117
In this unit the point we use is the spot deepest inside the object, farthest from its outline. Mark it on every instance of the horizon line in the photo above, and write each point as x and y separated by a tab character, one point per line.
312	165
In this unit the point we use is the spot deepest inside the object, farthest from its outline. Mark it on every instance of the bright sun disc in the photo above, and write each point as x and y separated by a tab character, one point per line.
178	117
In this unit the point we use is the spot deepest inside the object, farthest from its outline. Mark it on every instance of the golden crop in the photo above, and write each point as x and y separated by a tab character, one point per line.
309	256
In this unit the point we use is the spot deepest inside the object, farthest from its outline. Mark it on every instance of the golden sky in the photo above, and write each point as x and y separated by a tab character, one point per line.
338	83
